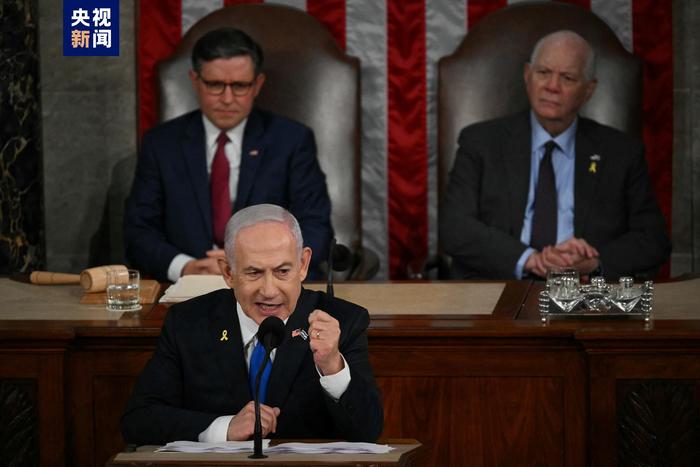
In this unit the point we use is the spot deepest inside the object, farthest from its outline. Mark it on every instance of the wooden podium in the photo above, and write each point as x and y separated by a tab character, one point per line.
404	454
466	368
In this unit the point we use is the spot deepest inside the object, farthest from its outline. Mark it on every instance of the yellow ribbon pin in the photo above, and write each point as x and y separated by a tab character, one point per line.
224	335
593	167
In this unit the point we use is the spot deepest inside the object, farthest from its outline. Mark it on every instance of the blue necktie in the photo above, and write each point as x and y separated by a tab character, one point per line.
256	360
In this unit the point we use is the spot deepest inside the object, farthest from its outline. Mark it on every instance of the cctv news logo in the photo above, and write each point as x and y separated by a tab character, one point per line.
90	28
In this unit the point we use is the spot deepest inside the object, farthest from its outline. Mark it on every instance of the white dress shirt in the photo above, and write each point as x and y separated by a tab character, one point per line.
233	153
335	385
563	163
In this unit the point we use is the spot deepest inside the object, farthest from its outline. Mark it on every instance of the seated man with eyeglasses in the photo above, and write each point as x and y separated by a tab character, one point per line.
196	170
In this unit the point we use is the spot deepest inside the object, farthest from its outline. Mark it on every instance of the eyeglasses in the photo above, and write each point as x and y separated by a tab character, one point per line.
238	88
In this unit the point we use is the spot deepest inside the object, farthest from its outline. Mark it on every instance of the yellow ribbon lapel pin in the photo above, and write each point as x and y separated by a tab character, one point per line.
224	335
593	167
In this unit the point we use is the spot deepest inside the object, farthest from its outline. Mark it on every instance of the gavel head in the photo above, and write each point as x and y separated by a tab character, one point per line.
95	279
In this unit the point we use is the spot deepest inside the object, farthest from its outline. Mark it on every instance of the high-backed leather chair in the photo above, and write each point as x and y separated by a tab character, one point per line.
308	79
483	78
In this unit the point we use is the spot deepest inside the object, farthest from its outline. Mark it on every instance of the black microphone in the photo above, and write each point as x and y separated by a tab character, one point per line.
271	335
339	259
271	332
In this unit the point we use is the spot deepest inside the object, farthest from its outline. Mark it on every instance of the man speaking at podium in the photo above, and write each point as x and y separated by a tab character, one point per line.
197	386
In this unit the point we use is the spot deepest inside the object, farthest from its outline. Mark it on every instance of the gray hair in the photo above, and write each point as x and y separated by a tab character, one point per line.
258	214
589	67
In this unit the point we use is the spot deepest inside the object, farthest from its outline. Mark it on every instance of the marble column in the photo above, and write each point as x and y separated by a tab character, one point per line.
21	207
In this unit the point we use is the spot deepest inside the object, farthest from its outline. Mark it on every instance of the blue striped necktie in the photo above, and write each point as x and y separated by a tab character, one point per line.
256	360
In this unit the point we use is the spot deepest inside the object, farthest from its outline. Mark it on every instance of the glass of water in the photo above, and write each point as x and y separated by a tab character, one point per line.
123	290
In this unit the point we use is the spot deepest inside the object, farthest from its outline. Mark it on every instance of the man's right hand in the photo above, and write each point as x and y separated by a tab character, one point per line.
242	425
208	265
574	252
550	257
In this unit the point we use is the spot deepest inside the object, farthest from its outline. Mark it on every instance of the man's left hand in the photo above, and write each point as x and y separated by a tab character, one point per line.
324	333
581	254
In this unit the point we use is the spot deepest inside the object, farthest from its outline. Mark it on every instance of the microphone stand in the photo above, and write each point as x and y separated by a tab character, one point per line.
329	282
257	431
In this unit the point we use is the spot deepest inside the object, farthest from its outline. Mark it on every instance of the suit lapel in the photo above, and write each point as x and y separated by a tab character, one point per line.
516	160
587	172
229	349
291	353
251	153
194	153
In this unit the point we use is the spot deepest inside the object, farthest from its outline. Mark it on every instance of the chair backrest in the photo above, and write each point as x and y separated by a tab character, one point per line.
308	79
483	78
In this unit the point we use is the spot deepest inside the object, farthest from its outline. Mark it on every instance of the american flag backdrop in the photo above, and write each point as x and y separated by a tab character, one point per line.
399	43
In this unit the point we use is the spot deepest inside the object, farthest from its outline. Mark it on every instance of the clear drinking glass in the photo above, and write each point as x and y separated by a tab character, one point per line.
123	287
564	287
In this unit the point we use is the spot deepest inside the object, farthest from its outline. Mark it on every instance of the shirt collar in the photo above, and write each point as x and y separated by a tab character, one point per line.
249	328
565	140
212	132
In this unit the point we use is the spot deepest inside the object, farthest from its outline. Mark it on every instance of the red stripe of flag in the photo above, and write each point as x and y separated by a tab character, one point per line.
477	9
332	14
407	134
653	43
158	35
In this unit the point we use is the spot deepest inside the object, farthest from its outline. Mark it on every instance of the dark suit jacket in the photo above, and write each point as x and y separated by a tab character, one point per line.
194	376
615	209
169	209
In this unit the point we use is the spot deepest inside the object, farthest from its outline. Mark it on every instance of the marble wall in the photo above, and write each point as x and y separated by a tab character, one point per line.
89	141
21	210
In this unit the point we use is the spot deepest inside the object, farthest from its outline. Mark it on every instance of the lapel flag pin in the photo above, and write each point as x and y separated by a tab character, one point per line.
300	332
224	335
595	157
253	152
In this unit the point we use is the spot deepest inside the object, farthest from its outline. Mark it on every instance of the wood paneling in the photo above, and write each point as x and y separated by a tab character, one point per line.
633	386
485	403
101	382
503	390
19	425
40	374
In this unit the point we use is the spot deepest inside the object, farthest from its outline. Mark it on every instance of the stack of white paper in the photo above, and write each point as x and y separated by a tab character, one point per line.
228	446
331	448
191	286
299	448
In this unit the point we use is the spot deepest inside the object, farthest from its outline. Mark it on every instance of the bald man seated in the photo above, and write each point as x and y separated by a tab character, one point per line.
197	385
547	188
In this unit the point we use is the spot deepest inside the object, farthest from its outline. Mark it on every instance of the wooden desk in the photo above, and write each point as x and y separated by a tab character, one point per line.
492	389
404	454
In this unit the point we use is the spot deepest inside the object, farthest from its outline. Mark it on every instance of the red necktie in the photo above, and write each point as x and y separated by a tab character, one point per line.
220	196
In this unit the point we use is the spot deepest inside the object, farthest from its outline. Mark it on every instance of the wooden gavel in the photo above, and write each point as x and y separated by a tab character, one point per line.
92	280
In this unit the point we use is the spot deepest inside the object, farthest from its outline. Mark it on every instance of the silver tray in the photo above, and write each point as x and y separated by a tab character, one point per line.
599	300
